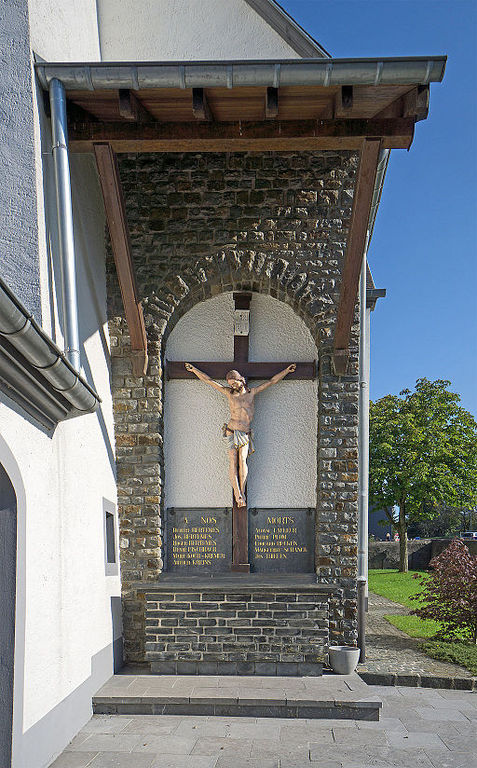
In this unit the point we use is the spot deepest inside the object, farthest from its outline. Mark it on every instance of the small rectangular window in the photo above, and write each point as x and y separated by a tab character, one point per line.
111	563
110	539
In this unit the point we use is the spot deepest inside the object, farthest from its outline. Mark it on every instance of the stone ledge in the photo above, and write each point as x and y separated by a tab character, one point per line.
263	668
237	583
415	680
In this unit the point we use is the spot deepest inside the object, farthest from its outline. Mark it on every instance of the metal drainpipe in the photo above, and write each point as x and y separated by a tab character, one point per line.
363	453
64	209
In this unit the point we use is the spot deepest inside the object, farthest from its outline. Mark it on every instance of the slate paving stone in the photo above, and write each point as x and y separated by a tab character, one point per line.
466	743
184	761
453	760
107	724
291	763
106	742
411	740
121	760
403	738
149	724
239	762
173	745
447	715
270	748
196	730
222	746
342	736
74	760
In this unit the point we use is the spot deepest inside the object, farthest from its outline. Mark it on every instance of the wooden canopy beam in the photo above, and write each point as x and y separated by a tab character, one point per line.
200	106
271	104
130	108
363	196
118	229
240	136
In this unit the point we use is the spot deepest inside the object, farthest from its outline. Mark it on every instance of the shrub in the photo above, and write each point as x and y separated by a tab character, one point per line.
450	593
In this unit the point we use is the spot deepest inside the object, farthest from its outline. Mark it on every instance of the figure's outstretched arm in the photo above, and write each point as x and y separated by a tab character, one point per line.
275	379
206	379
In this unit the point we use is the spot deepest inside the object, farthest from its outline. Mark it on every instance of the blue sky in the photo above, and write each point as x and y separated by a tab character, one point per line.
424	248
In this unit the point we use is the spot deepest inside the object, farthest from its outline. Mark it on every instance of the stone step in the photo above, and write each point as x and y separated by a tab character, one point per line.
330	696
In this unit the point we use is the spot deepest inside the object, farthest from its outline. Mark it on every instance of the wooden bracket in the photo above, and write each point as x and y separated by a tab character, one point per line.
340	361
118	229
363	197
347	96
130	108
200	106
271	104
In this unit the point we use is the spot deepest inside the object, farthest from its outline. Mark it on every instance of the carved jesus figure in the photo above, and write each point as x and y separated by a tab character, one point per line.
237	432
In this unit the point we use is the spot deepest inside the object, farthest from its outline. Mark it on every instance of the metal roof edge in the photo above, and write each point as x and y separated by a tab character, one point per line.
417	70
31	349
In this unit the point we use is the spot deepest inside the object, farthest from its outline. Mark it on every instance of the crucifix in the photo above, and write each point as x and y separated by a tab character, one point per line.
249	370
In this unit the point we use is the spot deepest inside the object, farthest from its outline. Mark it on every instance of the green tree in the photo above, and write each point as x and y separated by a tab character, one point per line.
422	454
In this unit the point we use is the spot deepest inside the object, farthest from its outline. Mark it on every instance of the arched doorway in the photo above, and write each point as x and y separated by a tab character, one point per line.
8	553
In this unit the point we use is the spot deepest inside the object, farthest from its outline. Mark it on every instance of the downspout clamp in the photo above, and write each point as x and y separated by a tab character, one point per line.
64	210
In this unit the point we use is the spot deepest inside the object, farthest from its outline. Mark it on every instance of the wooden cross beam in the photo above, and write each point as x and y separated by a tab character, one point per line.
217	370
209	136
118	229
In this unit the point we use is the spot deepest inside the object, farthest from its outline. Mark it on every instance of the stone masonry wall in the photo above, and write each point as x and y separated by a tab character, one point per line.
200	224
255	631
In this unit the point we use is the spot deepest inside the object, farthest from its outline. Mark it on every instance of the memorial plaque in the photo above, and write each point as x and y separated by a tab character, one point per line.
198	541
282	540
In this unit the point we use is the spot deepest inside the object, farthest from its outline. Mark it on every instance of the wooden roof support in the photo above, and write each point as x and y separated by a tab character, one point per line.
119	232
200	106
266	135
130	108
363	196
271	104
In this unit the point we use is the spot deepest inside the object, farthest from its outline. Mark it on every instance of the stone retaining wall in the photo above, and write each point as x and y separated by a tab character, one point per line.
385	554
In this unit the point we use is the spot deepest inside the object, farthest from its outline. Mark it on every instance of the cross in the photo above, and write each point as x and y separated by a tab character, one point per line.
175	369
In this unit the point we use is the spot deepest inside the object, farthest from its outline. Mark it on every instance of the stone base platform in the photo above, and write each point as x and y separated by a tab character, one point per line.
330	696
241	624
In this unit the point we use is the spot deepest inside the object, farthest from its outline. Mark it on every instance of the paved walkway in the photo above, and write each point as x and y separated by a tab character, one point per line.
390	650
419	728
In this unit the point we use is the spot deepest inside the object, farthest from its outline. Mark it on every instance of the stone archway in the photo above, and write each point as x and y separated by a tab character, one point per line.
139	417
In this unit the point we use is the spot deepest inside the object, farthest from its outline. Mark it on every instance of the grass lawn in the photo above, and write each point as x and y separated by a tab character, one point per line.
400	587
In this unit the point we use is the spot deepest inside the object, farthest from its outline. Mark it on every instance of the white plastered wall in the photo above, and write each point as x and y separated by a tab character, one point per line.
64	633
181	30
63	30
64	623
283	468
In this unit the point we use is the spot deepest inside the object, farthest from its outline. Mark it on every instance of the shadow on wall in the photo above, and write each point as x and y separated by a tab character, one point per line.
8	552
45	740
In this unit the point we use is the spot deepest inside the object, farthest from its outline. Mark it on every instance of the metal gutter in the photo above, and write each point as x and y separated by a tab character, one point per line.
100	76
23	339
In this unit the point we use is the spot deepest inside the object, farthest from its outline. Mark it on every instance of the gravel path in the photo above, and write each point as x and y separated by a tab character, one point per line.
390	650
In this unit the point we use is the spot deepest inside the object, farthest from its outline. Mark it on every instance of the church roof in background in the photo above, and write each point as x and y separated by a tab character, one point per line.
289	29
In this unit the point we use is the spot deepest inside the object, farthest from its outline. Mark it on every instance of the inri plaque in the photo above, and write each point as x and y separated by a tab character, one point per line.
198	541
282	540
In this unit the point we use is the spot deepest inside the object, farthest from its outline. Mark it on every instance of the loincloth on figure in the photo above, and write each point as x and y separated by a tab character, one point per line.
236	438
